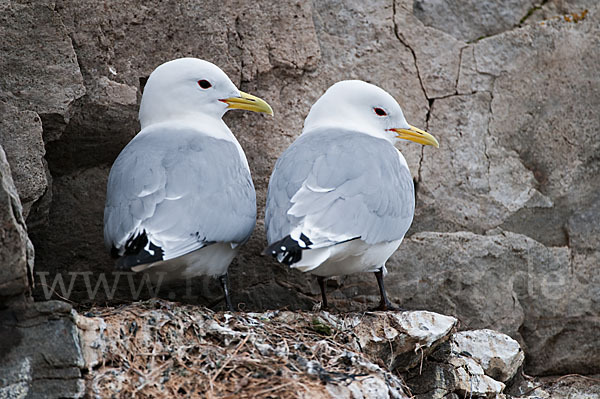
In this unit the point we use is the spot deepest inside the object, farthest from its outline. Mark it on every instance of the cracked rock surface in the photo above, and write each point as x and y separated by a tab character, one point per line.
506	234
16	251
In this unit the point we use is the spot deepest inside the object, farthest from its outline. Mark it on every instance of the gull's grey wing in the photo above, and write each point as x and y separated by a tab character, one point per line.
180	190
336	185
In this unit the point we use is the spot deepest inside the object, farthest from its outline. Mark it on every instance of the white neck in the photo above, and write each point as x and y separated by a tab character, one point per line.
149	116
208	125
349	125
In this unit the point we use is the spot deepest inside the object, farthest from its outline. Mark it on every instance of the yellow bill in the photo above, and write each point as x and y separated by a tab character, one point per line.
249	103
417	135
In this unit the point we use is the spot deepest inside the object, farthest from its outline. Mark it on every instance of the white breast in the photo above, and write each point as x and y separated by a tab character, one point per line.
346	258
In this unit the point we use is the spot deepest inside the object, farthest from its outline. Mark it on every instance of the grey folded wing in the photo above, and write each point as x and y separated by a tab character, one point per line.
337	185
182	190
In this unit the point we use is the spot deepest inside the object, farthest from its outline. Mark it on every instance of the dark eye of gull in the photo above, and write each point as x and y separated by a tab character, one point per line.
205	84
380	111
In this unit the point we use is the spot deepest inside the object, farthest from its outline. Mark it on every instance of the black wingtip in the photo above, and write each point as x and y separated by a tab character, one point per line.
137	254
287	250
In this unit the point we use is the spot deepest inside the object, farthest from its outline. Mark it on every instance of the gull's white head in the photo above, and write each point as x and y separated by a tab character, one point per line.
189	87
361	106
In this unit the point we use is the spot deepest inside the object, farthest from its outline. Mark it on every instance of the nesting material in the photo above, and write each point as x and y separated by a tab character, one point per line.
164	349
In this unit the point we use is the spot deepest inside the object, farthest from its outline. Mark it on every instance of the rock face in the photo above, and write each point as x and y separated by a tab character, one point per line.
21	136
39	64
470	20
506	233
16	252
537	287
40	352
569	386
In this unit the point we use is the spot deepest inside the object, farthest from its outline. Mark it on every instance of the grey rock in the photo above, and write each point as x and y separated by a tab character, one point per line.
40	75
542	295
21	138
568	386
517	161
494	183
115	65
538	196
40	355
437	53
583	229
16	255
459	276
94	136
565	346
452	374
110	92
552	140
470	79
40	70
76	215
524	121
499	355
471	379
91	342
470	20
16	381
402	340
440	203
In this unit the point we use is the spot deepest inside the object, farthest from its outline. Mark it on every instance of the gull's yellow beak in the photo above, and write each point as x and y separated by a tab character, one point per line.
417	135
248	102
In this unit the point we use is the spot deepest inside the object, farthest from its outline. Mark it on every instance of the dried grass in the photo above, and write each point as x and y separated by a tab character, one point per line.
162	349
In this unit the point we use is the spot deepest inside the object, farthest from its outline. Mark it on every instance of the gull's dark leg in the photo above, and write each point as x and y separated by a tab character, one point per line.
321	281
224	279
384	303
